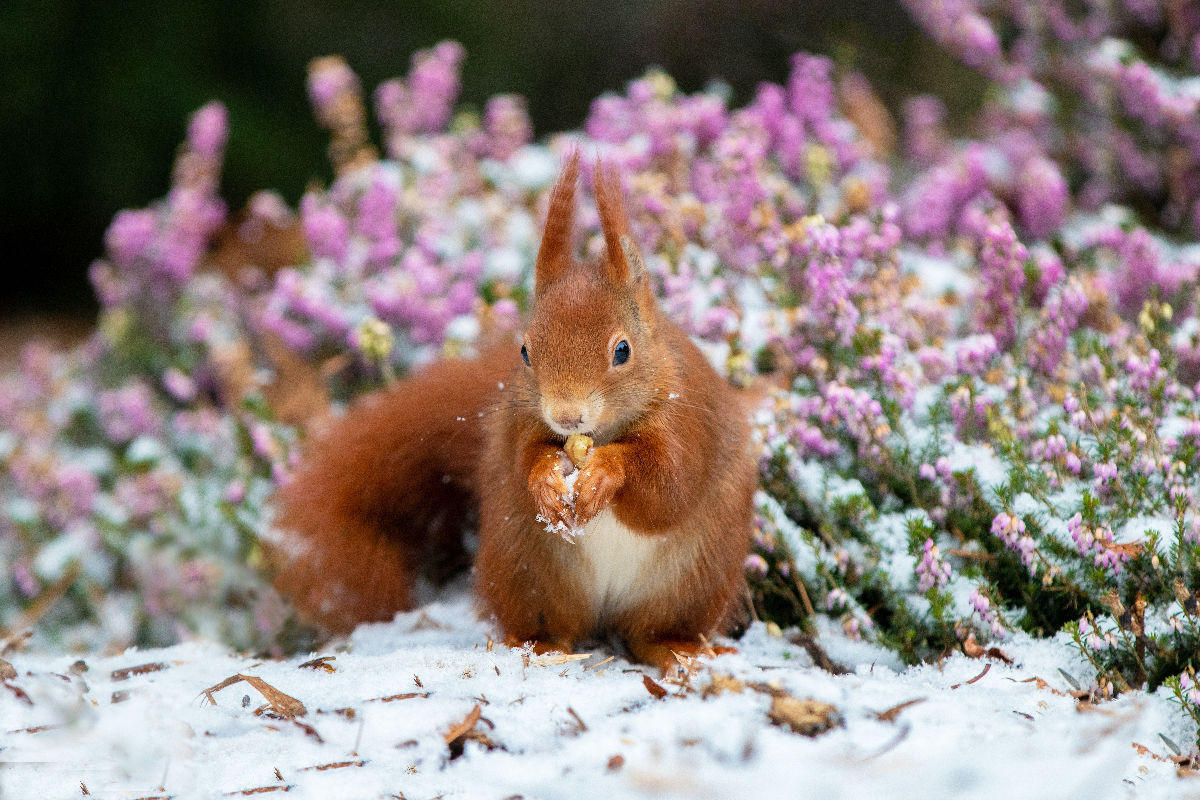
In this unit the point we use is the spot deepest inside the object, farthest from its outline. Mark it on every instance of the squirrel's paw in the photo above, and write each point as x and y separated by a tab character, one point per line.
549	490
599	481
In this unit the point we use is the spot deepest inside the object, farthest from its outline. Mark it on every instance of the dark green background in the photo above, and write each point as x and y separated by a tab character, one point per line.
95	96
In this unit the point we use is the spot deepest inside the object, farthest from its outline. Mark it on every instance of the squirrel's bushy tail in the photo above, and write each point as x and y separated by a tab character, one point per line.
385	491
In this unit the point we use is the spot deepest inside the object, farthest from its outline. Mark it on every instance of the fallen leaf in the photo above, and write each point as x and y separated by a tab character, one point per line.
554	659
15	641
805	716
975	650
7	671
1045	686
309	730
260	790
893	712
653	687
720	683
140	669
459	730
19	692
767	688
1142	750
458	736
391	698
986	668
284	706
38	729
334	765
578	719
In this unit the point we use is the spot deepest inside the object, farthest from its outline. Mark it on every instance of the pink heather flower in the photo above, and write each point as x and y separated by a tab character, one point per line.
931	570
755	566
1051	271
1002	267
326	230
72	494
1145	374
208	130
925	136
1093	639
979	46
837	598
974	354
704	116
506	121
1059	319
935	364
1095	542
377	217
24	579
1191	533
1011	531
1187	687
983	608
506	315
326	82
127	413
179	385
957	26
1042	197
1140	258
146	494
424	101
810	88
130	235
434	83
827	276
265	446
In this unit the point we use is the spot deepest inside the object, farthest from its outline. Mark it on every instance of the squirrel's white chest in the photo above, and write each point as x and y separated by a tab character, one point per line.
616	565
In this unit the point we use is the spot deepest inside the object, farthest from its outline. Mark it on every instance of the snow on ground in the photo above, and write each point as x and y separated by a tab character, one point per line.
376	725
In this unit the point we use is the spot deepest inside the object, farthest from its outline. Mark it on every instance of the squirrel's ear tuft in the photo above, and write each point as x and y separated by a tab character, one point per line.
623	263
554	254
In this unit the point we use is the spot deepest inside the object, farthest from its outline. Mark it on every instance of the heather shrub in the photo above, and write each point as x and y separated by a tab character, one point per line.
977	374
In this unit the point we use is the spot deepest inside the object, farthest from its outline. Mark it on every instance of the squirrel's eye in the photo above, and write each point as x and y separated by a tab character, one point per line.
621	353
525	355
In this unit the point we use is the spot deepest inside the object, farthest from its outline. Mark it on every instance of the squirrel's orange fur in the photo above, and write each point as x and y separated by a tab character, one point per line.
664	500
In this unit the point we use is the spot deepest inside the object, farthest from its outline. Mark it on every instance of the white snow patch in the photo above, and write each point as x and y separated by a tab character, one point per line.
154	734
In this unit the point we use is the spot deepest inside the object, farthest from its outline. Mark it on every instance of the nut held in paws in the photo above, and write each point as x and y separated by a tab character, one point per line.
577	447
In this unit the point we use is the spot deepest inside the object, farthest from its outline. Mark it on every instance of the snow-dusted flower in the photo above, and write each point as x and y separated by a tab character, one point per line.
931	570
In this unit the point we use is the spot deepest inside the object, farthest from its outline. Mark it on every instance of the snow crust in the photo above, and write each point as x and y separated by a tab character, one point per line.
559	725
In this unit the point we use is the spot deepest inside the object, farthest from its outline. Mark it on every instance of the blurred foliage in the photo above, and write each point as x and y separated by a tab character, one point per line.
96	94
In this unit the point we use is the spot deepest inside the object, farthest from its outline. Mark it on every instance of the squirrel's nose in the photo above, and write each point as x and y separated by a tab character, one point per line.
569	421
568	415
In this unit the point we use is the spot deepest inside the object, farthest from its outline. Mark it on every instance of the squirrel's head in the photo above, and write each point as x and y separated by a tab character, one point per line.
590	350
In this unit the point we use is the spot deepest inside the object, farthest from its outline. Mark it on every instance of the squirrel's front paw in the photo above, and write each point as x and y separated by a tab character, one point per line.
599	481
550	493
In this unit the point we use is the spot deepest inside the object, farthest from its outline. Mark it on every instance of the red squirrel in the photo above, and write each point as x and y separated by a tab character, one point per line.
658	525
